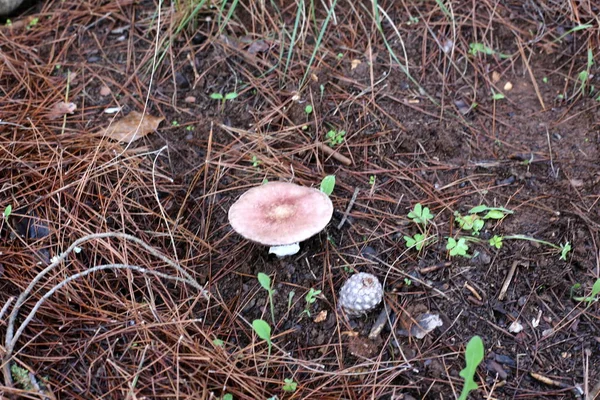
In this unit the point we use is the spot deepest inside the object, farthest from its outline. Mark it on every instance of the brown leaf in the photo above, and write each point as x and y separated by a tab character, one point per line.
133	127
321	316
260	46
60	109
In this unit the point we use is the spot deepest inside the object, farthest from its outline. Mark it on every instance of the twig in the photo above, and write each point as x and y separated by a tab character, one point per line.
350	205
508	280
331	152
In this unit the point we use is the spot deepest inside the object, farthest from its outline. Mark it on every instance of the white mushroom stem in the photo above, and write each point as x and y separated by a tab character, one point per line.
285	250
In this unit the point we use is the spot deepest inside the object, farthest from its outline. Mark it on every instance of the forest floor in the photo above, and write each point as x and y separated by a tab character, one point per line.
450	105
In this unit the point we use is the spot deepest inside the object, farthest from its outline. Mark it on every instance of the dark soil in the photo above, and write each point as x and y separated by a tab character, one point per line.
535	152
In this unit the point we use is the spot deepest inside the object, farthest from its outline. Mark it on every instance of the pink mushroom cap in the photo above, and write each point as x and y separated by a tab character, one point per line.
280	213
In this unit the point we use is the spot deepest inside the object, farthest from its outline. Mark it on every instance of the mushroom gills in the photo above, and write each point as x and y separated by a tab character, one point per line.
285	249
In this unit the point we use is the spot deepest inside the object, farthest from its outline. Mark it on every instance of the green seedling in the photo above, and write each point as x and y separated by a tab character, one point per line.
474	222
227	396
480	48
290	299
175	123
310	298
458	247
328	184
593	296
33	23
335	137
584	75
574	29
497	242
417	241
265	282
498	96
471	222
372	179
473	357
255	161
21	377
407	282
7	211
223	99
574	289
289	385
420	215
545	79
263	331
189	128
308	109
218	342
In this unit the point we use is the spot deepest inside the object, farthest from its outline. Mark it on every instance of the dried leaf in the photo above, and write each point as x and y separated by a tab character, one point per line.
260	46
133	127
355	63
60	109
321	316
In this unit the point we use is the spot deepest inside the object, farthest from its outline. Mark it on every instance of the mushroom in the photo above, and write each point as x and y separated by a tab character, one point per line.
280	215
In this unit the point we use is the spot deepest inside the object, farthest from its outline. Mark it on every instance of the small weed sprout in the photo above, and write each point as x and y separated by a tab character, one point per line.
497	96
227	396
7	211
420	215
289	385
458	247
290	299
417	241
255	161
223	99
328	184
21	377
265	282
263	331
407	281
310	298
473	357
593	295
175	123
372	179
335	137
218	342
308	109
480	48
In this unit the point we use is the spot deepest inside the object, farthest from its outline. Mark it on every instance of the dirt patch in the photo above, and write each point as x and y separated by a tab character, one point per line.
486	115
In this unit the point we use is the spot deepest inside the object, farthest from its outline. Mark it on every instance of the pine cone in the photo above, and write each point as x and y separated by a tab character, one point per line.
362	292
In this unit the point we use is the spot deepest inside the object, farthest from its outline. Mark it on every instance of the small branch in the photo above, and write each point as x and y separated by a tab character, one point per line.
350	205
337	156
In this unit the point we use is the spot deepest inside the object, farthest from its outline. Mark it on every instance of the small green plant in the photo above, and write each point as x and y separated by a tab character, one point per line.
290	299
480	48
372	180
218	342
474	222
310	298
545	79
473	357
265	282
458	247
328	184
189	128
498	96
593	295
498	241
7	211
308	109
255	161
223	99
263	331
21	377
417	241
420	215
335	137
227	396
289	385
407	281
32	23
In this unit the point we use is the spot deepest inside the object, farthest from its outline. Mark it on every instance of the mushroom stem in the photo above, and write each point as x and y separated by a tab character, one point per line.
285	249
